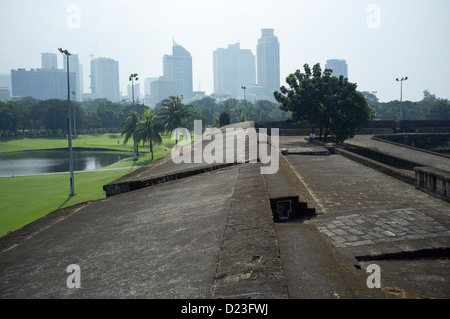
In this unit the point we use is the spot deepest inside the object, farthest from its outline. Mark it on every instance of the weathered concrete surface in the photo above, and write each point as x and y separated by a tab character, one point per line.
177	165
367	213
212	236
422	158
249	264
200	237
208	235
158	242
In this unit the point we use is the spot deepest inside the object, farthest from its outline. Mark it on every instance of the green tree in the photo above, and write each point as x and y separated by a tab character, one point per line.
109	114
55	115
371	99
333	104
8	118
149	129
197	114
174	114
128	127
224	119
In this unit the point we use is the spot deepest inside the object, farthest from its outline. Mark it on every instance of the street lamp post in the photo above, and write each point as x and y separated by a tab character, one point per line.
401	95
132	78
245	101
212	110
74	117
72	187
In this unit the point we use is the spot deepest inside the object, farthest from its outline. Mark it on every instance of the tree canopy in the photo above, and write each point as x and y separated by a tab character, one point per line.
332	104
429	108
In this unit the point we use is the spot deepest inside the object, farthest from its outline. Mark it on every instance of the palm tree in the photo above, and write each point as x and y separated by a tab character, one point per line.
128	127
148	130
174	114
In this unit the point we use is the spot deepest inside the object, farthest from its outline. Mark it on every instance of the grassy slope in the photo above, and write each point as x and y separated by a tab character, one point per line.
27	198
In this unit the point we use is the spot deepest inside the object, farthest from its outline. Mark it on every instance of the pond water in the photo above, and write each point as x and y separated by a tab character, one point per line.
38	162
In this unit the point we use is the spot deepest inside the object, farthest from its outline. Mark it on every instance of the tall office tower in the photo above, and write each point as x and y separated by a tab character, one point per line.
105	79
41	84
5	94
49	61
268	59
233	68
137	92
339	67
161	89
75	67
178	67
148	90
5	81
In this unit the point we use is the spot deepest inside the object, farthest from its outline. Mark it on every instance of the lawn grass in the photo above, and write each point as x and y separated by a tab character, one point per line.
104	141
24	199
27	198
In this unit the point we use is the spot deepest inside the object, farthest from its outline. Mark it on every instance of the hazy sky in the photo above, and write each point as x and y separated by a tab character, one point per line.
380	39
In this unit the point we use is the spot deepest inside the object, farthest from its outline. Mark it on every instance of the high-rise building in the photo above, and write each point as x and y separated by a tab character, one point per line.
268	62
49	61
148	90
5	81
162	89
4	94
137	92
233	68
178	67
105	79
5	87
339	67
75	67
41	84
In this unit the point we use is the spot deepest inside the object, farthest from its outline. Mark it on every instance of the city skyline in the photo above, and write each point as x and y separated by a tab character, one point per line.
380	40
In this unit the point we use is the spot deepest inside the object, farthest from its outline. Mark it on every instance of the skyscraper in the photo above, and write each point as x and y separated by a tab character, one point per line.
41	84
339	67
268	59
49	61
75	67
233	68
5	81
161	89
178	67
105	79
148	90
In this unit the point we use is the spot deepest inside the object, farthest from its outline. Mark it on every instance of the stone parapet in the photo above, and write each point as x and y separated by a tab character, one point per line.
433	181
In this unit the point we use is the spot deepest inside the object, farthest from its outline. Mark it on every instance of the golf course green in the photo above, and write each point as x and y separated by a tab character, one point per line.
24	199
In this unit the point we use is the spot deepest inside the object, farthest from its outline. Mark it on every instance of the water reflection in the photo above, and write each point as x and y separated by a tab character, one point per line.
38	162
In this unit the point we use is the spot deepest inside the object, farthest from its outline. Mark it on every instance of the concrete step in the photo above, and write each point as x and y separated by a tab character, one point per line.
314	150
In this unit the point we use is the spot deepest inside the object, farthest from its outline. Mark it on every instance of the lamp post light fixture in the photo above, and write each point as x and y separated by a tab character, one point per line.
245	101
74	117
401	95
132	78
212	110
72	187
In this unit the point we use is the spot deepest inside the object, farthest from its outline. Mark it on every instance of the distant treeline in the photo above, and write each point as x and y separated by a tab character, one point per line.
429	108
33	117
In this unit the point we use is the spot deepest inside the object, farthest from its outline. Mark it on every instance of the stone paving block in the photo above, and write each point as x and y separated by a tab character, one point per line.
382	227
